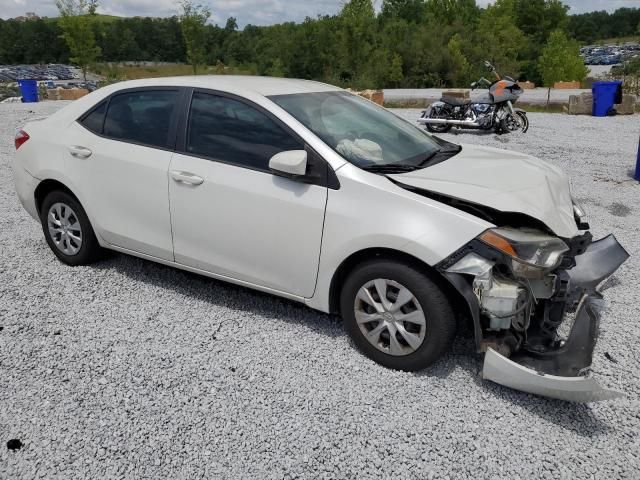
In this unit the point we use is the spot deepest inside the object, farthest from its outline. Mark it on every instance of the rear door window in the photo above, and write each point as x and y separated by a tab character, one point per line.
142	117
231	131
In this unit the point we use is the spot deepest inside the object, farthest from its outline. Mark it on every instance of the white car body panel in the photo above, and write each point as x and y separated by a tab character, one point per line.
504	180
126	185
247	224
369	211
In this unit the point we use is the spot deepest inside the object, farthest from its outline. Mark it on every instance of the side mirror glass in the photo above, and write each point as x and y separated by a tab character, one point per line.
292	163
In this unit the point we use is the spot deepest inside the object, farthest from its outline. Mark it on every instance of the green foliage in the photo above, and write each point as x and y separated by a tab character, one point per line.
76	18
394	74
410	43
595	26
561	61
193	20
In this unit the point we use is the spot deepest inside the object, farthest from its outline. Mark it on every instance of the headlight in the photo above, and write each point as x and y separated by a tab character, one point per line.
534	253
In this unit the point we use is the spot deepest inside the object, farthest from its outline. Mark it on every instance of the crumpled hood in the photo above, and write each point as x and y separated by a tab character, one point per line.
503	180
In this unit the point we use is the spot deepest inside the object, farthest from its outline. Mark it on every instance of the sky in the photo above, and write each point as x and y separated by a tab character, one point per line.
256	12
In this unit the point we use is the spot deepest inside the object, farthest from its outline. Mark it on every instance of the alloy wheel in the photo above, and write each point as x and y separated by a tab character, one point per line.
390	317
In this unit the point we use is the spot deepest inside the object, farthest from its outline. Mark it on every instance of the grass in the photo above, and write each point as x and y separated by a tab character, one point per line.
617	40
117	72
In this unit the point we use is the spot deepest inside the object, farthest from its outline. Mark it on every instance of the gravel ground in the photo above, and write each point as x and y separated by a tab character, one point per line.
129	369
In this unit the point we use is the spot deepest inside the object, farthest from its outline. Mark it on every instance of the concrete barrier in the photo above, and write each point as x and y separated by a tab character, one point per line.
527	85
567	85
66	93
583	104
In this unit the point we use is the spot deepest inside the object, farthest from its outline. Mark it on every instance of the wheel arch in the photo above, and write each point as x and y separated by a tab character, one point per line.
458	302
50	185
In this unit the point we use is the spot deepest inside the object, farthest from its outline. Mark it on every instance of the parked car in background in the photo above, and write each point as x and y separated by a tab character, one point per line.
306	191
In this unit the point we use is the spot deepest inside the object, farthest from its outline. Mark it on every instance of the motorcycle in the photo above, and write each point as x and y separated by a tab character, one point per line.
492	111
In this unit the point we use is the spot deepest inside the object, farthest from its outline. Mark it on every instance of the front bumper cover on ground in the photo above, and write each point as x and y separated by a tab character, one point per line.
556	373
560	372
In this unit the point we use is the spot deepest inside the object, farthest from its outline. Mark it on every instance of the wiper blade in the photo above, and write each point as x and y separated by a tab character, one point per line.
389	168
440	155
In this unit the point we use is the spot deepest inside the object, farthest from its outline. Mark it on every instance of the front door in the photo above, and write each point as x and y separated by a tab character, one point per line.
230	215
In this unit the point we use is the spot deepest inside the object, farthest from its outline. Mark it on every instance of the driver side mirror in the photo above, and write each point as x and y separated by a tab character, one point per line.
291	163
488	65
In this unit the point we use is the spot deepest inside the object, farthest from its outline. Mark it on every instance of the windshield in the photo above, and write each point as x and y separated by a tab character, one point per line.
363	133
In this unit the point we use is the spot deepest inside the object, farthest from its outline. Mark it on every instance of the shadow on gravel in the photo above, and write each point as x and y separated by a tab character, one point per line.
219	293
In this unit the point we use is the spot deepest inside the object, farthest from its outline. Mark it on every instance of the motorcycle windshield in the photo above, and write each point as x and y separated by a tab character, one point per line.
363	133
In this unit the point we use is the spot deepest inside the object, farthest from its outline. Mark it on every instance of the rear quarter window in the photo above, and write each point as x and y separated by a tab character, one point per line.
95	118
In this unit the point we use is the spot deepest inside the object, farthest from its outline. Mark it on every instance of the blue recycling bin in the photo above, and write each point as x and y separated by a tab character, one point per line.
637	175
29	90
605	96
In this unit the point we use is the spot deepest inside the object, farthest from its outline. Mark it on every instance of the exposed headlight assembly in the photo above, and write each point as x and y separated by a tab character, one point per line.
533	253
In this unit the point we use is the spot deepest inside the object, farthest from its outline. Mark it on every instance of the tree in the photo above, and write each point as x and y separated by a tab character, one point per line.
76	18
561	61
357	35
193	23
394	74
499	40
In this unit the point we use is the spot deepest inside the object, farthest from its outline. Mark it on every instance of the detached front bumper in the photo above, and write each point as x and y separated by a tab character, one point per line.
556	373
561	372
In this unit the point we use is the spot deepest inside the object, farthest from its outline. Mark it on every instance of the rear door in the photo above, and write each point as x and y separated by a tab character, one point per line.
118	157
230	215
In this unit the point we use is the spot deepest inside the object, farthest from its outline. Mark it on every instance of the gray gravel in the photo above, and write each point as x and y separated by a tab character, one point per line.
129	369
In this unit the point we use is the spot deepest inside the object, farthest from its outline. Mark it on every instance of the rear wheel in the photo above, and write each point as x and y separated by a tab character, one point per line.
67	229
438	112
397	315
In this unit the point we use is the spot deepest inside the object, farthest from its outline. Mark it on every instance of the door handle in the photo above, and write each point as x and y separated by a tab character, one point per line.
186	177
79	152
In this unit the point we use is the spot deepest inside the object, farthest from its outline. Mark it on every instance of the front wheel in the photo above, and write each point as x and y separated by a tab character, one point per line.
397	315
512	123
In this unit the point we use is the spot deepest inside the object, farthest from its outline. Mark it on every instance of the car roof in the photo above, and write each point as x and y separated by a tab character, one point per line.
265	86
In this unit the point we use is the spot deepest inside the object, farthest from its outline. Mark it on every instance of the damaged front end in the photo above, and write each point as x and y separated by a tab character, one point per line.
520	286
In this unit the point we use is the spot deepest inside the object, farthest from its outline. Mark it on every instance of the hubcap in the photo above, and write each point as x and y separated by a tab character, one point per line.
64	228
390	317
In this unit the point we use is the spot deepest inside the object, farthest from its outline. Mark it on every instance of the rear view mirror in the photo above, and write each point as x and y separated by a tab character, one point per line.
292	163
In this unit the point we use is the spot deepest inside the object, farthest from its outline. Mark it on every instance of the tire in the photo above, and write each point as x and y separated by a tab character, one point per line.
438	128
67	230
436	333
434	128
507	126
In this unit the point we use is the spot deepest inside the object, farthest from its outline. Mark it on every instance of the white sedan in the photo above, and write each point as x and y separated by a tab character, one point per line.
309	192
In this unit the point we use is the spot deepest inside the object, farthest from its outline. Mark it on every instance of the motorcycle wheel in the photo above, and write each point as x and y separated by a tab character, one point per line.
433	128
438	128
509	125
